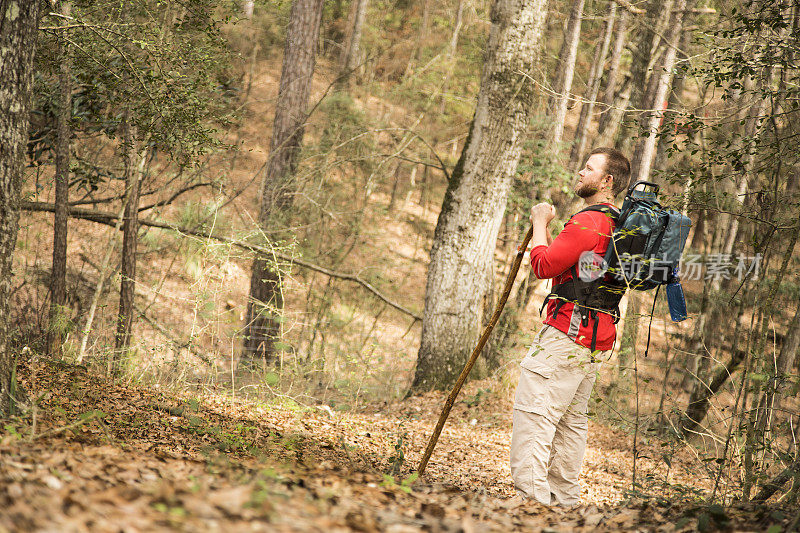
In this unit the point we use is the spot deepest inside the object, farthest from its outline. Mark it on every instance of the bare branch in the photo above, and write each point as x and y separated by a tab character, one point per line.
109	219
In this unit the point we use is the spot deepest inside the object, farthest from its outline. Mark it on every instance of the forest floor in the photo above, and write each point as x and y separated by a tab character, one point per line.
98	456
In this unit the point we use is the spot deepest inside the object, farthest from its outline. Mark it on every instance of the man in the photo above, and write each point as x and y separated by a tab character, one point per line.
557	375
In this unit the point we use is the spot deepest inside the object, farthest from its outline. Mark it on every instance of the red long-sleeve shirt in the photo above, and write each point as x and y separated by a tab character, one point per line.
589	230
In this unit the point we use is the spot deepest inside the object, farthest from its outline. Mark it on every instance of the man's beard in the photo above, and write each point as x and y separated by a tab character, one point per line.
585	191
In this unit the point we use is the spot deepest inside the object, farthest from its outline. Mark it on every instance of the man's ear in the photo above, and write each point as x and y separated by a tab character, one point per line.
610	181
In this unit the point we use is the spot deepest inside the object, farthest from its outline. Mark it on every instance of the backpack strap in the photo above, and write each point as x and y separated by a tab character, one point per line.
573	290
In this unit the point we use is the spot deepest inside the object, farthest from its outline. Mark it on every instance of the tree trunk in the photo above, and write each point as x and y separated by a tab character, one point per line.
613	70
630	335
18	28
592	88
351	52
451	51
699	401
646	48
566	68
266	301
612	118
424	30
247	8
58	278
473	206
130	229
662	79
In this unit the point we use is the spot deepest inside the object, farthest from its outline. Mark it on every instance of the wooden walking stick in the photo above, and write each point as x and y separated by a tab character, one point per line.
481	343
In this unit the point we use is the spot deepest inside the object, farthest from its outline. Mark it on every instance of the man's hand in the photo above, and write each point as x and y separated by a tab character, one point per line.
542	214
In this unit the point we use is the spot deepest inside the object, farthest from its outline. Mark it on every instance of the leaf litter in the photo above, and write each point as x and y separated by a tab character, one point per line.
106	457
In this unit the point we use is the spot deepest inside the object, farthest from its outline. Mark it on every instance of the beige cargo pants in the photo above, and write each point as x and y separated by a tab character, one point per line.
550	418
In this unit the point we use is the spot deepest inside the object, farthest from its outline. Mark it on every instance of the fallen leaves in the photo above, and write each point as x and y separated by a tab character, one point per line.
155	461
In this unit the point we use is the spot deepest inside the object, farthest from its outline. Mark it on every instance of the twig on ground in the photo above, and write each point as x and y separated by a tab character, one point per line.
62	429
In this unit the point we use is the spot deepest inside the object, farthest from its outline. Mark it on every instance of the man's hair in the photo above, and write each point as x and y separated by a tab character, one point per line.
618	166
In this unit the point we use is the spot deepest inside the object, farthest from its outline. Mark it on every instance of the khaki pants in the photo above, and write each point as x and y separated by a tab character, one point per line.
550	418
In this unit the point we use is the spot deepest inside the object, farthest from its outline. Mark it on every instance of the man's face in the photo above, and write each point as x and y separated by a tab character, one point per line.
592	176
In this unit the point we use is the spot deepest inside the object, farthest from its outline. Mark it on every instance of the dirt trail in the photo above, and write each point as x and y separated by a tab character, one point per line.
103	457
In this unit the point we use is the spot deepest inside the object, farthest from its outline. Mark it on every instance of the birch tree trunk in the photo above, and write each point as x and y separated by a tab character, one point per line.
592	89
58	282
18	27
642	160
262	327
351	52
130	229
473	206
566	71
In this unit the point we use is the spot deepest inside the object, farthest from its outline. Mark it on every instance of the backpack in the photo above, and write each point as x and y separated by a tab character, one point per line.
648	240
644	253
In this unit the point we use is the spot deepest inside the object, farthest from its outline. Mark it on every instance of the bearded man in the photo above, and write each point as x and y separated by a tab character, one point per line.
558	373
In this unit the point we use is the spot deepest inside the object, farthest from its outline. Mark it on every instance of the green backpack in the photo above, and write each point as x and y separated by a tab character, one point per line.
648	240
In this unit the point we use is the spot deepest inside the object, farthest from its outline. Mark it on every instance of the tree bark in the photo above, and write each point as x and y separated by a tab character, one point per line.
19	22
566	71
473	206
130	229
264	306
658	86
58	277
351	52
592	89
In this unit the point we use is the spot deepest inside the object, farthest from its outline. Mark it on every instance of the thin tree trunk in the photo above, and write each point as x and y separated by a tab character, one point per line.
613	70
451	52
630	335
699	402
613	117
265	304
424	30
468	224
645	52
130	229
19	22
98	290
58	278
566	66
674	101
786	361
247	8
651	118
592	89
351	52
451	49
